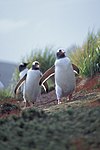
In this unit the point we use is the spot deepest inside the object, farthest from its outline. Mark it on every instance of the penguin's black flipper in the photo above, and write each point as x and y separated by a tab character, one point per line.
50	72
75	68
19	83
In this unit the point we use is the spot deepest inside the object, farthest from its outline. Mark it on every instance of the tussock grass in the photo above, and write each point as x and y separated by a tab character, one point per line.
5	93
46	58
87	57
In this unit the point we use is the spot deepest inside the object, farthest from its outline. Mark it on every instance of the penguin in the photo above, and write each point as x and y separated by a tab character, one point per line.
32	87
22	67
22	71
64	72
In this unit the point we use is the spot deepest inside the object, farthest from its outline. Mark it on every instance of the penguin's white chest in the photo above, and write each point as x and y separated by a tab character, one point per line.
32	88
64	74
22	73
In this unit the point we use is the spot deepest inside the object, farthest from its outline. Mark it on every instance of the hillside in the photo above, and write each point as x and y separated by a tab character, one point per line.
72	125
6	72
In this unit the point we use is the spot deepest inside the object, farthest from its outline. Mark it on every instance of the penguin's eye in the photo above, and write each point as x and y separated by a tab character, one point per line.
60	50
36	63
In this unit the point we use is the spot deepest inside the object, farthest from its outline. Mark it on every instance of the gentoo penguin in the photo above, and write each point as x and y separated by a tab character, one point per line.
32	87
22	67
63	70
22	71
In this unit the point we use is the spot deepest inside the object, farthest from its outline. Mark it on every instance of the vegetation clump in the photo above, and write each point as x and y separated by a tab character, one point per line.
63	129
87	57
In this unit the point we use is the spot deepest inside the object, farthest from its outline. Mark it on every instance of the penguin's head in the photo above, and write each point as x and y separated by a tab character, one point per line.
22	66
35	65
60	54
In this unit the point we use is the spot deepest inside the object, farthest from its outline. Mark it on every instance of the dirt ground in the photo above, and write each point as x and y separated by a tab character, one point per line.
87	90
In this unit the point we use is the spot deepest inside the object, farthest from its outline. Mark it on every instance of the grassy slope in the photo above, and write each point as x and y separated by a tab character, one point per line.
69	126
